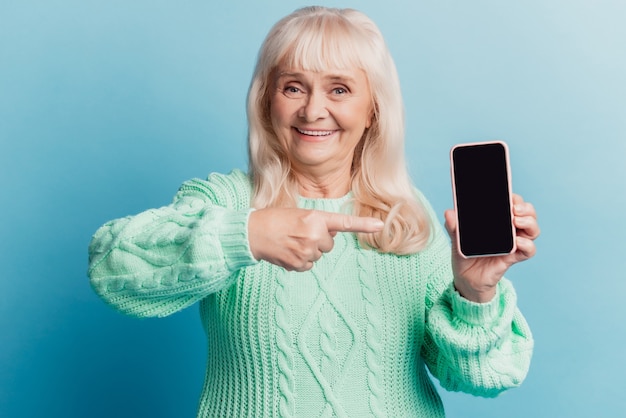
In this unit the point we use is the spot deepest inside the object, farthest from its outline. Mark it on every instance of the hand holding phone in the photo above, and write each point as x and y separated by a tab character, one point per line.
481	181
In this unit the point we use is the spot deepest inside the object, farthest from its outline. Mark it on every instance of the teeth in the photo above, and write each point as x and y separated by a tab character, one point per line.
315	133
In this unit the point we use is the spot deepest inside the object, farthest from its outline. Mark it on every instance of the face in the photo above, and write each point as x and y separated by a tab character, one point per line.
320	117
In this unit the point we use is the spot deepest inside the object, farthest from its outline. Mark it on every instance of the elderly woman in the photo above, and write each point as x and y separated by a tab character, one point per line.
326	286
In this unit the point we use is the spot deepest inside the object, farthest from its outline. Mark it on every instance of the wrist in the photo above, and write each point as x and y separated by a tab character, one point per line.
233	233
483	295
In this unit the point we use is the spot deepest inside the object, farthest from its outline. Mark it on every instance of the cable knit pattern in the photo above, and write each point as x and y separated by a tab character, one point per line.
353	337
285	344
373	339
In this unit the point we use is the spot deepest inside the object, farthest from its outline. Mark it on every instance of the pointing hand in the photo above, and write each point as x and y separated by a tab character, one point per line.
295	238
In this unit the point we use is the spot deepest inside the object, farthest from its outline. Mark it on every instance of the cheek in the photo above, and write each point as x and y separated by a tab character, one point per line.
364	119
281	110
278	127
360	115
274	112
370	118
278	123
368	122
369	111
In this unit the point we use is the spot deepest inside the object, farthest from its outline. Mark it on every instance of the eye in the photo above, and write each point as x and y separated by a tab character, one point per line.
339	91
292	90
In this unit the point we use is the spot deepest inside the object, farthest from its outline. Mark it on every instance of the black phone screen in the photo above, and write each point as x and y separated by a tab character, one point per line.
483	203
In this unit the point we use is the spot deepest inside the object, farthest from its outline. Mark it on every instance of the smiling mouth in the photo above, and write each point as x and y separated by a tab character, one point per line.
314	133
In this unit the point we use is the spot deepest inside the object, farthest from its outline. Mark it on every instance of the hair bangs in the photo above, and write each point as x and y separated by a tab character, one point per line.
326	42
320	39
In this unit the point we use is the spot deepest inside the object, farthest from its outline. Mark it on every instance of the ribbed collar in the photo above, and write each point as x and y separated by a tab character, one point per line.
338	204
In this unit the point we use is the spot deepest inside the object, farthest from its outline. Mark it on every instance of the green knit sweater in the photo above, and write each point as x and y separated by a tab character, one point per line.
353	337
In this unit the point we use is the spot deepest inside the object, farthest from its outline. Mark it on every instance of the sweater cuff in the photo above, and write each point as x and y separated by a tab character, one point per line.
233	232
480	314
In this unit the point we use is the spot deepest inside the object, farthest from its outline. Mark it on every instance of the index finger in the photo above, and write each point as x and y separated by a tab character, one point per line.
522	207
338	222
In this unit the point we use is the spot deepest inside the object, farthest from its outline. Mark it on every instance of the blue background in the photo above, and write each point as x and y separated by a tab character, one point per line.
107	106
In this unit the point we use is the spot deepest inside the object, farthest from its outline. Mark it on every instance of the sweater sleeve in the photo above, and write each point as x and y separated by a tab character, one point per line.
163	260
477	348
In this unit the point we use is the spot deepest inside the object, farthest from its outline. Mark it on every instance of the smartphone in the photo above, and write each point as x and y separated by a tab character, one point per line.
481	182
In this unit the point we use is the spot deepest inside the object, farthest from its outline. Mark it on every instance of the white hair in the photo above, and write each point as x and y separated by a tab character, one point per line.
315	39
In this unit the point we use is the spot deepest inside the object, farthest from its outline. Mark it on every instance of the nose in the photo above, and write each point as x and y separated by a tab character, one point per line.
314	108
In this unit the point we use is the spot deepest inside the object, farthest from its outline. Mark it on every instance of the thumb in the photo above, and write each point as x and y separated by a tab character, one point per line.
450	217
337	222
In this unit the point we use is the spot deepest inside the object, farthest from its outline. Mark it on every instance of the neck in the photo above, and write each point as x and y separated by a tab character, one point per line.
328	185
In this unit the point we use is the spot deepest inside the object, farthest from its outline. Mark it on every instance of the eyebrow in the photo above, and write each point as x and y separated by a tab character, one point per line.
332	77
343	78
